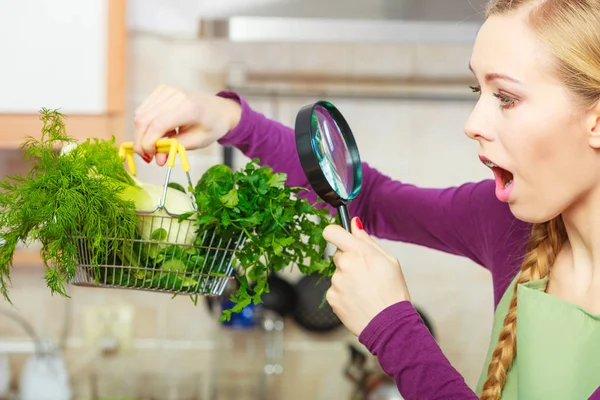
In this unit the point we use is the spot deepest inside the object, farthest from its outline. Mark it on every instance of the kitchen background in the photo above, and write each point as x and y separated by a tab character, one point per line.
397	69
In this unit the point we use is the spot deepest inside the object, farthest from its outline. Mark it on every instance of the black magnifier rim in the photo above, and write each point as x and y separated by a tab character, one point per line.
308	156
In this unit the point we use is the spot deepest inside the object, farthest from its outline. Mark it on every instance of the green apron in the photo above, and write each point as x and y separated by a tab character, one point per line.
558	347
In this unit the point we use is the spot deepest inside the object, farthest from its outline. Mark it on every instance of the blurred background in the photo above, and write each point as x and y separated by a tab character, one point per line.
397	69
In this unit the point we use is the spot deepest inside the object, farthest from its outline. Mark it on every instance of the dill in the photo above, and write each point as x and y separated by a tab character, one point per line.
62	201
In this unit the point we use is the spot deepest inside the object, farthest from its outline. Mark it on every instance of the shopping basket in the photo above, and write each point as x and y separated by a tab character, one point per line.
200	266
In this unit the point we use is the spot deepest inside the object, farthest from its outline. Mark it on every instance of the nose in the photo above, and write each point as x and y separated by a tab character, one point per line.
474	127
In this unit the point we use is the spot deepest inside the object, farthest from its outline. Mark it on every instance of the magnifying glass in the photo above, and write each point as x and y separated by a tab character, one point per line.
329	156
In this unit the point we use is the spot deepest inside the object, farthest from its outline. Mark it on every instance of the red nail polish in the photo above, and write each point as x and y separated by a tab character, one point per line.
359	224
147	158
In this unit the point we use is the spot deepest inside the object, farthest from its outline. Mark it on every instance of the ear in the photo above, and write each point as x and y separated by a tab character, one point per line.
594	126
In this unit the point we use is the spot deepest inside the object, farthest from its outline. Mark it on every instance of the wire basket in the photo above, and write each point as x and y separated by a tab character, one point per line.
175	259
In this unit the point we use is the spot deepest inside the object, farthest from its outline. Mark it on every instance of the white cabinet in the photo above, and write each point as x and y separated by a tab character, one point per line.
61	54
54	55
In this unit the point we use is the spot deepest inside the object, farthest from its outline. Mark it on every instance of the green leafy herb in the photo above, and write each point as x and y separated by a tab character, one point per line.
281	229
62	197
248	223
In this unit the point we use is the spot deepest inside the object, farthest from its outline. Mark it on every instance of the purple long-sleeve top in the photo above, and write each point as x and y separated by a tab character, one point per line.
466	220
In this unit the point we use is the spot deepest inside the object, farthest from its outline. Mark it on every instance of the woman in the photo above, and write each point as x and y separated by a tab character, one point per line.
538	126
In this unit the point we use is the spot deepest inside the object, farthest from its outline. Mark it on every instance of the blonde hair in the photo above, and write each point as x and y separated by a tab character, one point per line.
569	29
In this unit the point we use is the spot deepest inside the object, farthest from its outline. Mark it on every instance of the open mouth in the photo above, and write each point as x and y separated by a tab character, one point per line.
504	179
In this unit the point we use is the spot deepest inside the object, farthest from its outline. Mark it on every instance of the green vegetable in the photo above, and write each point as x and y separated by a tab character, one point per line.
176	203
60	199
281	229
177	186
82	196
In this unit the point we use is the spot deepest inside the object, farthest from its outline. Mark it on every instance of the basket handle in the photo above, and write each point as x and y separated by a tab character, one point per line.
171	146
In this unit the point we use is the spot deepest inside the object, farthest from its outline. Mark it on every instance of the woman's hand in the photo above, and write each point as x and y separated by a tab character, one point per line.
367	279
201	119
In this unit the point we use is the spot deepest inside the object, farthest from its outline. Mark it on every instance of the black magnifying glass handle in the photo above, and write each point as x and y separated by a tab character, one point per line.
344	217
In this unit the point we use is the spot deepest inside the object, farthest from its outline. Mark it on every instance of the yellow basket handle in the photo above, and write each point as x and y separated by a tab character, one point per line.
171	146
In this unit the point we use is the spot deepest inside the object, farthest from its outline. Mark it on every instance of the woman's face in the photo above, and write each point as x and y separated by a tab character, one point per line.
538	140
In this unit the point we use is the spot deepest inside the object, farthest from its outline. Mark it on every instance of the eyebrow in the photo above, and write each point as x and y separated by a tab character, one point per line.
492	76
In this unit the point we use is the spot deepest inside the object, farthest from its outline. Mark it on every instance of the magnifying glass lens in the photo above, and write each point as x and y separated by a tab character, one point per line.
332	152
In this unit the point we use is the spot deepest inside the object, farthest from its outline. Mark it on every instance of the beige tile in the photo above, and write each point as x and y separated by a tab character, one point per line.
383	59
477	306
83	299
443	60
264	56
146	322
383	133
28	296
154	371
48	313
185	66
187	54
55	322
147	62
216	55
186	321
10	328
439	134
322	58
324	369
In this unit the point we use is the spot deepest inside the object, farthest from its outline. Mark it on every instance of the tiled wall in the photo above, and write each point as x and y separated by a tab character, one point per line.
418	142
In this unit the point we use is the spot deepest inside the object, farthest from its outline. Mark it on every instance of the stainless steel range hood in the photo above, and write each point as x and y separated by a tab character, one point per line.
353	21
323	30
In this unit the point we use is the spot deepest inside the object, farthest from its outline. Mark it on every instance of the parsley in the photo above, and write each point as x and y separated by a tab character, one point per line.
281	228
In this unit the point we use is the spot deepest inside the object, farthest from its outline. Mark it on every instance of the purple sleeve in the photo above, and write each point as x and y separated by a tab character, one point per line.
408	353
464	220
595	395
